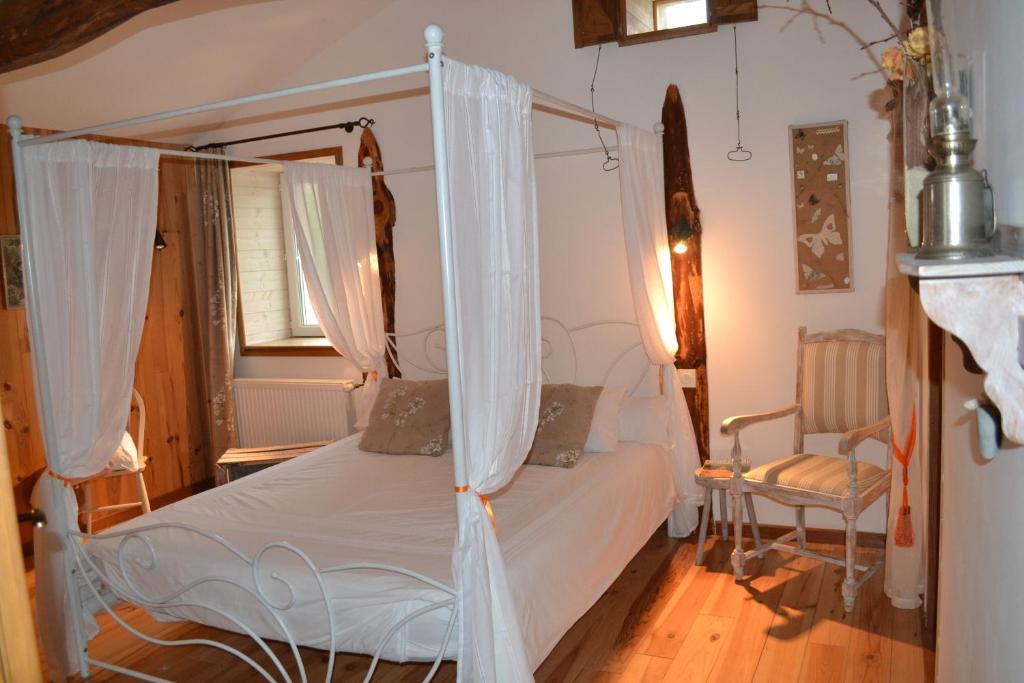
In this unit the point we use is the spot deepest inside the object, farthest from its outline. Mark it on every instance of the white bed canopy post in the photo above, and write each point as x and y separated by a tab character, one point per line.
434	37
56	523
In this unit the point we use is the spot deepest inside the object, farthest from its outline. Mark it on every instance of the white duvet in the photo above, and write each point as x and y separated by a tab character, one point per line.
566	535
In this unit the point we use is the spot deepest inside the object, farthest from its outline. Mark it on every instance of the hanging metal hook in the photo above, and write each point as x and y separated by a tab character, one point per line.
610	163
738	154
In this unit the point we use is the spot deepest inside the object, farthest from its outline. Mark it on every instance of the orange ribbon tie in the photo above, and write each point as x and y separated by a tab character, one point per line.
483	501
904	530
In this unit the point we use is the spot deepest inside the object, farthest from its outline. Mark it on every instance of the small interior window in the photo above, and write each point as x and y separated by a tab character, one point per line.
679	13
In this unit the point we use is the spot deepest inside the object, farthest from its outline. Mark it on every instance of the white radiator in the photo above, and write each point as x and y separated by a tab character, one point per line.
271	412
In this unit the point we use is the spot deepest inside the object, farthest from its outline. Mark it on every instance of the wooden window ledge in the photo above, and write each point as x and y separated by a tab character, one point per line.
292	346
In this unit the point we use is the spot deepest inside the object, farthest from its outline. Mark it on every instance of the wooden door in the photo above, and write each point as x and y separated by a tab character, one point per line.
19	660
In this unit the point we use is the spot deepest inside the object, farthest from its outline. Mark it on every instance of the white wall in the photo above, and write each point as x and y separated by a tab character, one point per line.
981	602
791	73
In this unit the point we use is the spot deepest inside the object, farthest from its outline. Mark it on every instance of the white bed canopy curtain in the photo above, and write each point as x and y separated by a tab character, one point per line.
89	250
332	216
642	189
89	239
498	341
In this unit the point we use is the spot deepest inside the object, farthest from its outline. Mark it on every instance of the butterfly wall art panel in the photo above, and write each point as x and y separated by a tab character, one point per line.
819	156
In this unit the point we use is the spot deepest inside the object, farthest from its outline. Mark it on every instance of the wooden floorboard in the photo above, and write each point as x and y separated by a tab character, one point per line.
663	620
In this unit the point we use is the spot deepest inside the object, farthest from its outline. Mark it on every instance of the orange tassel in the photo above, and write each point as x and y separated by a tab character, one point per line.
904	530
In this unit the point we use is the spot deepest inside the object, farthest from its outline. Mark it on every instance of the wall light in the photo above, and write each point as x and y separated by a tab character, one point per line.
159	243
678	234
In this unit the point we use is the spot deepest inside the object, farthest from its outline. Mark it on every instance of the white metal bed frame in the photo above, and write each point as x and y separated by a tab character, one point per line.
96	589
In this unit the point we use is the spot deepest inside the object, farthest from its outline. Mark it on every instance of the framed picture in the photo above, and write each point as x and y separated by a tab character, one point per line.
819	169
10	265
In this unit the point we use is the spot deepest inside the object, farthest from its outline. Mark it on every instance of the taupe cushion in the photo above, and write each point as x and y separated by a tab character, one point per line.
566	411
816	473
409	418
843	387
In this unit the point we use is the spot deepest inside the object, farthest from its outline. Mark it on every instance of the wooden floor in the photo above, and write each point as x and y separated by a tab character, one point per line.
664	619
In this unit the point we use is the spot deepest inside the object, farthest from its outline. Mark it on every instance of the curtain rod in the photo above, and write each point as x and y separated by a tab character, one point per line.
548	103
400	171
349	126
223	104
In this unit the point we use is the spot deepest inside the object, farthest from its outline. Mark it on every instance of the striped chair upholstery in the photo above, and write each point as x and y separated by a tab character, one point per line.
843	386
818	473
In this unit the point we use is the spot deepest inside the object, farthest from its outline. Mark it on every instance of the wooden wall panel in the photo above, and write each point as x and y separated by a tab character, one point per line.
175	439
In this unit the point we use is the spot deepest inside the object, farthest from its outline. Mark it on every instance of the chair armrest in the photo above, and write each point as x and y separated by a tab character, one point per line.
853	437
732	425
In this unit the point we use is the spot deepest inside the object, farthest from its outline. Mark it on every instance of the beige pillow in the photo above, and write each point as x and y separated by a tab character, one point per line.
566	411
409	418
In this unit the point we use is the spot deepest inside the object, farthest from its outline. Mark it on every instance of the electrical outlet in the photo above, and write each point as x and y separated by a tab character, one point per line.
687	377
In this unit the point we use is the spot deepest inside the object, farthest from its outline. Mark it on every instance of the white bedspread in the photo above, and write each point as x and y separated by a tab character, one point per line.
566	535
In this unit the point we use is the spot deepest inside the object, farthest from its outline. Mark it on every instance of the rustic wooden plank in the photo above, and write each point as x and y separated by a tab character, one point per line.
742	649
701	650
36	31
384	215
823	663
831	622
912	662
787	635
869	656
668	635
687	272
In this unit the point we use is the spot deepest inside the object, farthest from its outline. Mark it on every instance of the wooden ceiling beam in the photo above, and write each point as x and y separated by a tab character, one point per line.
33	31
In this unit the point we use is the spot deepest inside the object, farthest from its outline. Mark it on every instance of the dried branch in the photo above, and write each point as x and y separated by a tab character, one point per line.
879	41
806	9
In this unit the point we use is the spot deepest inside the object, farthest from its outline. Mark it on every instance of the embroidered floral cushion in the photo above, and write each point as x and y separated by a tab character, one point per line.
566	411
409	418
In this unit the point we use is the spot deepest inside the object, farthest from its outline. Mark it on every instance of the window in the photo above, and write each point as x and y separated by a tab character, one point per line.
679	13
300	306
276	315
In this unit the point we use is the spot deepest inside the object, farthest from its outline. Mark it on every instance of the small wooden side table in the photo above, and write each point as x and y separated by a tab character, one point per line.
239	462
715	476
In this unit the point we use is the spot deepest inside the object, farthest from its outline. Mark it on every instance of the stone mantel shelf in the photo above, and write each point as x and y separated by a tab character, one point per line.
981	301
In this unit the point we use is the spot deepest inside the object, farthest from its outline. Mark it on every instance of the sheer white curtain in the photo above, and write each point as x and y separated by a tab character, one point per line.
494	236
91	214
332	216
642	188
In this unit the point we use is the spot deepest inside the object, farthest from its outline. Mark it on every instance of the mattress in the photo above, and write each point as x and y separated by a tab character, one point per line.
566	534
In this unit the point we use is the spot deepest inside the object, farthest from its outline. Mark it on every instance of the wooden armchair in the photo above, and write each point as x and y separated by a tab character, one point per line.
840	389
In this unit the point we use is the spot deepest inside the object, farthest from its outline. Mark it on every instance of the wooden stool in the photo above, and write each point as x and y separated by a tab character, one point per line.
715	476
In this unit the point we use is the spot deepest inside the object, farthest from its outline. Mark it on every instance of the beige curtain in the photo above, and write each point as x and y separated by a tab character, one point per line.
906	363
216	298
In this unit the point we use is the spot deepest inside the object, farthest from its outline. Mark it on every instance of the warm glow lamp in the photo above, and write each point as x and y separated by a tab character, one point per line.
678	234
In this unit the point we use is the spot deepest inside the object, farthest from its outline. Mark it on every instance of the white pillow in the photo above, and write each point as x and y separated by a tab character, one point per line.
645	419
604	427
127	456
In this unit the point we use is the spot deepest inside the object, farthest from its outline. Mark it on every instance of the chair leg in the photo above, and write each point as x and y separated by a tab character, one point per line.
140	484
87	492
705	519
737	519
723	498
752	516
801	527
850	582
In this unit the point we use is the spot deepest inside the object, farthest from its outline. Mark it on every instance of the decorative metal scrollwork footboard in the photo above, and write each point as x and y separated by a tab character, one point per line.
103	584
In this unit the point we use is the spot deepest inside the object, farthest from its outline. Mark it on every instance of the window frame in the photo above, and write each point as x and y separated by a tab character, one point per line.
310	343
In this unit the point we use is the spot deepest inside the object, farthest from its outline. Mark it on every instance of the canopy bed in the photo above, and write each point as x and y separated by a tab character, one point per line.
376	573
